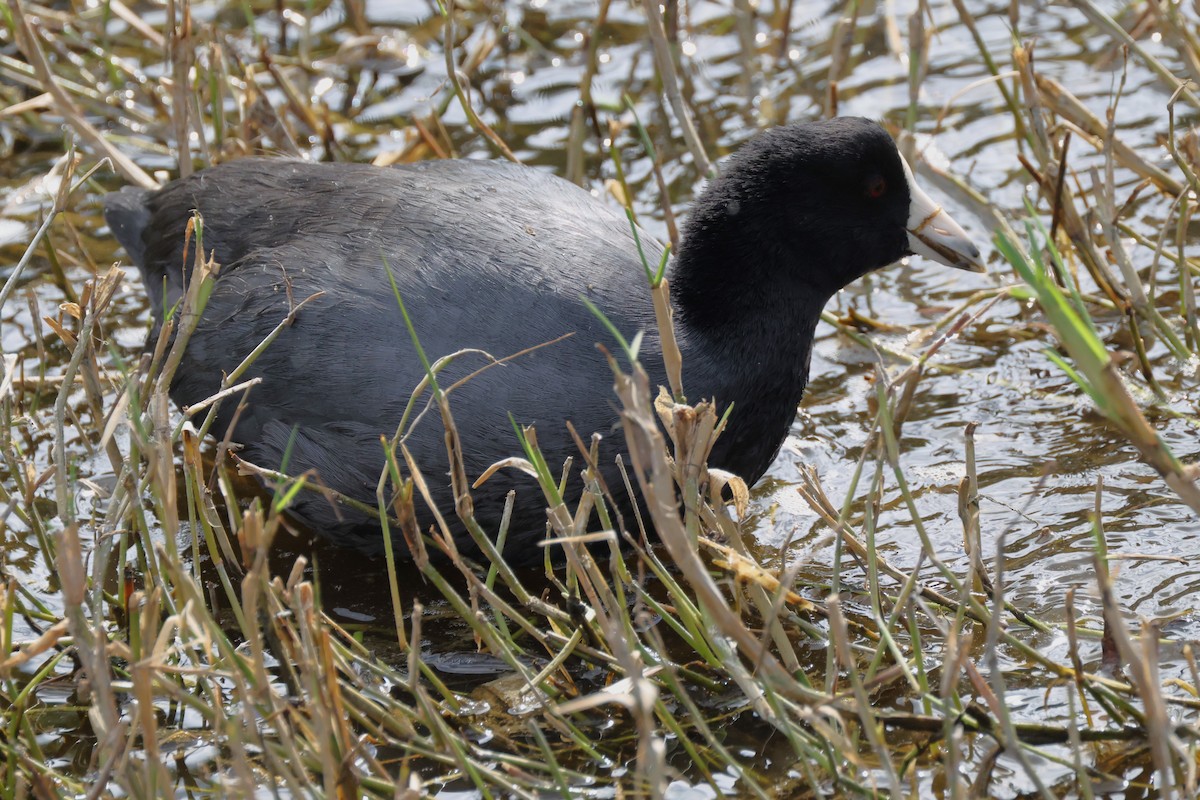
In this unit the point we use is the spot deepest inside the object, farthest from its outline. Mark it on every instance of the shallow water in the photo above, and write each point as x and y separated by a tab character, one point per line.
1040	449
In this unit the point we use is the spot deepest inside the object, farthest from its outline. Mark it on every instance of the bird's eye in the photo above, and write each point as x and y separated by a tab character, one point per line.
876	187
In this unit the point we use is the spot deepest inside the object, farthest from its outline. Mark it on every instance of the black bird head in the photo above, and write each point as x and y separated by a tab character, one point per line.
815	206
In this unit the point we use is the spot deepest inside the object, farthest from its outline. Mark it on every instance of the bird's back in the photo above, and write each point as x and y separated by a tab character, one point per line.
486	256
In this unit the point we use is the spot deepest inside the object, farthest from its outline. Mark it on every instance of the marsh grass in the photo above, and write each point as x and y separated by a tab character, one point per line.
626	665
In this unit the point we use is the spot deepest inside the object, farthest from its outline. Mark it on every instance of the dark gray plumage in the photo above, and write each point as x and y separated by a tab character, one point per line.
495	256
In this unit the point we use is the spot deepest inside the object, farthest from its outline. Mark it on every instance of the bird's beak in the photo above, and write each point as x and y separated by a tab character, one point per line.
931	232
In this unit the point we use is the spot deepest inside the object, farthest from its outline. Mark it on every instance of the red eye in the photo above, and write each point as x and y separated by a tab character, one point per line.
876	187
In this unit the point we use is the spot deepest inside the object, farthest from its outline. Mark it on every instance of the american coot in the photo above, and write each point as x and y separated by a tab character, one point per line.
496	256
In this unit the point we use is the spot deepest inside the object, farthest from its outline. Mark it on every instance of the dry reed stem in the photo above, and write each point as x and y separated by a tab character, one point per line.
581	110
1108	25
670	79
462	89
1066	105
27	40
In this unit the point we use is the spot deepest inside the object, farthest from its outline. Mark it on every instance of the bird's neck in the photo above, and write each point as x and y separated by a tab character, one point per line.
755	329
730	287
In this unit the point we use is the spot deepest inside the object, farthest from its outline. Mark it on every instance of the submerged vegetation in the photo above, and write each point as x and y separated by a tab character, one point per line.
987	591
